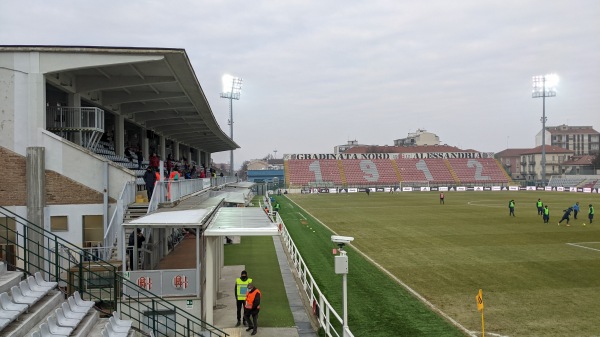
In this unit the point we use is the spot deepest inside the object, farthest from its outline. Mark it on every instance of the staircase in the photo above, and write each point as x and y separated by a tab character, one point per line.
36	249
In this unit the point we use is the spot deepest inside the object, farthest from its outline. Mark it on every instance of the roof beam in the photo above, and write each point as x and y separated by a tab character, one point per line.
117	97
158	116
132	108
93	83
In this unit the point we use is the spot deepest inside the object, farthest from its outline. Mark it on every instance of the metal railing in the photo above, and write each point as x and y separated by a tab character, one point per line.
75	118
88	122
328	318
29	248
111	232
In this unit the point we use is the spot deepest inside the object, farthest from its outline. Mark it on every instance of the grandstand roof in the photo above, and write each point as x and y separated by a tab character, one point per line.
581	160
549	149
404	149
511	152
156	88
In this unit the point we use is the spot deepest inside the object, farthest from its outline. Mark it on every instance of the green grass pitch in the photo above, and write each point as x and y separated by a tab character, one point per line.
537	279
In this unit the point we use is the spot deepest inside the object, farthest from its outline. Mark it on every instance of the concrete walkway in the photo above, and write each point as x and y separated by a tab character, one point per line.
225	316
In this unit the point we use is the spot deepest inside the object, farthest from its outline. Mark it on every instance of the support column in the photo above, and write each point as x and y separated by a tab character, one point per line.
162	151
119	135
189	155
145	145
36	201
209	299
176	153
75	102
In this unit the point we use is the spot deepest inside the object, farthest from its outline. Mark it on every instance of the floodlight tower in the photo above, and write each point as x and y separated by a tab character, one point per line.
544	86
232	88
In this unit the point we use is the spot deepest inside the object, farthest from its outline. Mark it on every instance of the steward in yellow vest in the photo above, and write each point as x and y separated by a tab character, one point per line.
241	288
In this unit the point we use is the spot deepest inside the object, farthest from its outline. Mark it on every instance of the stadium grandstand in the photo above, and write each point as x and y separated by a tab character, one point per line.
79	126
395	166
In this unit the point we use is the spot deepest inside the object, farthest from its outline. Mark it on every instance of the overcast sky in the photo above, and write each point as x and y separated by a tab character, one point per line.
319	73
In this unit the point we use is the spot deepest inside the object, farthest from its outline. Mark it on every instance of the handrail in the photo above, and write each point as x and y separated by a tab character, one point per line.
30	248
111	233
331	325
75	118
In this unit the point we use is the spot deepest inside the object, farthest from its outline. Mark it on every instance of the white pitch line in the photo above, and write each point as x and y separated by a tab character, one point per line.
302	215
474	203
580	246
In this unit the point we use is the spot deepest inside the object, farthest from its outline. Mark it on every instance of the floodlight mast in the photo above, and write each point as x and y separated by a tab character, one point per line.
232	88
544	86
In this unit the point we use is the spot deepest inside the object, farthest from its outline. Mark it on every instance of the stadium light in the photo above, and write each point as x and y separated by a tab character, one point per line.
544	86
232	88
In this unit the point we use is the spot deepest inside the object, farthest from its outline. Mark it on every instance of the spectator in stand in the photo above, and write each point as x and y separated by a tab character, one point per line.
202	174
140	240
193	172
169	164
150	180
128	154
140	158
154	161
221	175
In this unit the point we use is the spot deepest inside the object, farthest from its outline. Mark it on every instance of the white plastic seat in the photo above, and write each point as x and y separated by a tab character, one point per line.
56	329
71	314
81	302
2	267
36	334
34	286
4	322
105	333
7	304
122	322
18	297
74	307
10	315
116	327
64	321
26	291
112	333
45	331
40	280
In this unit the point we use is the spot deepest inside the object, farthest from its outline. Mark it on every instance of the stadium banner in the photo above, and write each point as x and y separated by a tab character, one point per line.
425	189
460	188
572	189
448	155
548	188
513	188
423	155
531	188
478	188
560	189
496	188
540	188
434	188
587	190
379	189
407	189
487	188
353	190
340	156
333	190
388	189
443	188
323	190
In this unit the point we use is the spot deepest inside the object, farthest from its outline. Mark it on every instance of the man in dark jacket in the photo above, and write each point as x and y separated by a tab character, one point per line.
150	180
566	216
252	307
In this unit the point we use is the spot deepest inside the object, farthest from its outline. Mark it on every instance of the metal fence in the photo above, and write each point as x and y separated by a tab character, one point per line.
29	248
328	318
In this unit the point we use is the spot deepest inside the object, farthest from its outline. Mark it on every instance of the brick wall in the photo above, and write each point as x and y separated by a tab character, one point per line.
60	189
13	189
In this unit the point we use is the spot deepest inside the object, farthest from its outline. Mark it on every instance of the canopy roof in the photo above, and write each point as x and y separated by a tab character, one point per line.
241	221
156	88
186	218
